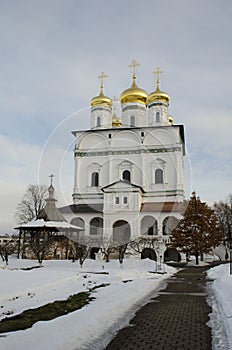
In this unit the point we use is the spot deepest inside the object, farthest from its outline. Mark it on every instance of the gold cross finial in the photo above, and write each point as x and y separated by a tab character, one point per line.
51	176
115	99
157	72
102	76
133	65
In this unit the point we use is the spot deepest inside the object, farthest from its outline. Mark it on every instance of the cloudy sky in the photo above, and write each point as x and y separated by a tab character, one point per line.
51	54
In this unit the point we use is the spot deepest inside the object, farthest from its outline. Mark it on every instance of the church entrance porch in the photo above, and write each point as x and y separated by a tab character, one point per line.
149	253
93	253
121	232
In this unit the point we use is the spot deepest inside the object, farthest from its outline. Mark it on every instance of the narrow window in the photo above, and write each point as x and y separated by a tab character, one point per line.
157	116
116	200
95	179
126	175
125	200
159	176
98	121
109	136
132	121
142	134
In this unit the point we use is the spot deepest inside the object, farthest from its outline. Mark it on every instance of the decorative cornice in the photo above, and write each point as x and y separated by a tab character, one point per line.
133	107
78	153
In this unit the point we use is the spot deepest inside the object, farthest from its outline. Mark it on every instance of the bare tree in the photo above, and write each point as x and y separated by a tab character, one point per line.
80	246
223	212
31	204
121	249
107	247
140	243
40	244
7	247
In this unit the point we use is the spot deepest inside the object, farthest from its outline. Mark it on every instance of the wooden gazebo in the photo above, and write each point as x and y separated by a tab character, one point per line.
50	232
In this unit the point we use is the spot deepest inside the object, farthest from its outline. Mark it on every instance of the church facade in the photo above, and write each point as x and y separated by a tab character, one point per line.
129	169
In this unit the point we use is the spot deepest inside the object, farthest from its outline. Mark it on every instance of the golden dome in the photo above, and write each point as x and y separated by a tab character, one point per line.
101	99
158	95
116	122
133	94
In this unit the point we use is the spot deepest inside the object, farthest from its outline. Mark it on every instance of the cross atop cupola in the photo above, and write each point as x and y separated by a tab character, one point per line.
101	77
133	65
158	72
51	176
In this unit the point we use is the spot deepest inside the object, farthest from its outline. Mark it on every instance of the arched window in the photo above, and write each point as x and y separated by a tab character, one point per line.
149	226
169	223
96	226
159	176
95	179
157	117
98	121
78	222
132	121
126	175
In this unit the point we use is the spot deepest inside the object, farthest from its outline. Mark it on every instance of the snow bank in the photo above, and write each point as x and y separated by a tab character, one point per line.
221	302
94	325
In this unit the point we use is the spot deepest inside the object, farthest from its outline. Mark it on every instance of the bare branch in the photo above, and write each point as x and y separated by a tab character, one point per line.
31	204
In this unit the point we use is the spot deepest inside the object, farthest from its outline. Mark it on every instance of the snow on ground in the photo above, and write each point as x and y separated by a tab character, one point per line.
220	299
95	324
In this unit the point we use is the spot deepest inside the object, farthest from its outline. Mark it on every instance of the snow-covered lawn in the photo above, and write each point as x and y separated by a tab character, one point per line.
88	328
220	299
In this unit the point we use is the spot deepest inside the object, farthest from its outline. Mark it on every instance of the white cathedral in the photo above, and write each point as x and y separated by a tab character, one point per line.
129	170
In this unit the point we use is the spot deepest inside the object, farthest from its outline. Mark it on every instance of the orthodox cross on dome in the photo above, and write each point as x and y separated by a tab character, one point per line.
51	176
115	99
102	76
133	65
157	72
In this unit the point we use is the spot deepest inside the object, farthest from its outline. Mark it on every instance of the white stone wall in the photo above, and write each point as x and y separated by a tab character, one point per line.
127	150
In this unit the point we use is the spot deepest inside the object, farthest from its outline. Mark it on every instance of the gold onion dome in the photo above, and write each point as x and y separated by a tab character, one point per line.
133	94
158	95
116	122
101	99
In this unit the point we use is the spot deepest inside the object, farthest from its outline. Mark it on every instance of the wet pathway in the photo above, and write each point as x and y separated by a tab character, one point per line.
174	320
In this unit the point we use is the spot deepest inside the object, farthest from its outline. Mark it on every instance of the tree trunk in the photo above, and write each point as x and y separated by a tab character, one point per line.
197	258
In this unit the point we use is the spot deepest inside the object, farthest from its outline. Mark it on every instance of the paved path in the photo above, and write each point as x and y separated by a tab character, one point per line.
174	320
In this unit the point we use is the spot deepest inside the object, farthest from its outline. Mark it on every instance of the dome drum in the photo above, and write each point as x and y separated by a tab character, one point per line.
134	106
